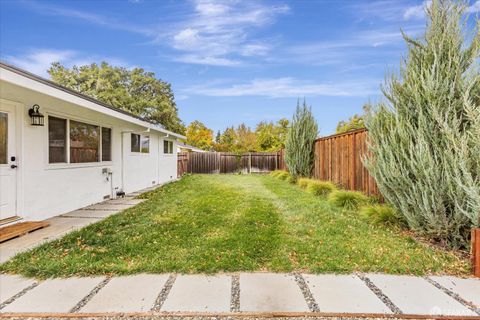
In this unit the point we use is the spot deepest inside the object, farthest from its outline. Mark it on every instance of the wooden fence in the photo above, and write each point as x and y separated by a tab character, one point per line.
182	162
229	162
338	158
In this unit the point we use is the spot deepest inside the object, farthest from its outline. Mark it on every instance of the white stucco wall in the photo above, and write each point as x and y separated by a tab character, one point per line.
46	190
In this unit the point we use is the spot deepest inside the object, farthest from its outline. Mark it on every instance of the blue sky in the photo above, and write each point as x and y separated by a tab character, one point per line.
228	61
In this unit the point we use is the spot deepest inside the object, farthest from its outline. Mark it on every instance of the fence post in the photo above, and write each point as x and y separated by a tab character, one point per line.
476	251
249	162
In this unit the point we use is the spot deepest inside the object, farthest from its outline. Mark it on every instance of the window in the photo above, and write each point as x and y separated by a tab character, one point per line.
84	142
3	138
106	144
167	147
145	142
140	143
57	138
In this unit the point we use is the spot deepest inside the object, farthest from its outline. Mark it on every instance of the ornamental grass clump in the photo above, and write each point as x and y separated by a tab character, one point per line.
320	188
275	173
379	213
424	140
348	199
303	182
283	175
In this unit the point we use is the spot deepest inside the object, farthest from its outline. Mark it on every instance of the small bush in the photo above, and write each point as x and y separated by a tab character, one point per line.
379	213
303	182
284	175
347	199
275	173
291	179
320	188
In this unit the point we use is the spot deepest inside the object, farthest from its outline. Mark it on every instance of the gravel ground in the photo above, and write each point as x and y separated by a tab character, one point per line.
164	293
307	294
235	294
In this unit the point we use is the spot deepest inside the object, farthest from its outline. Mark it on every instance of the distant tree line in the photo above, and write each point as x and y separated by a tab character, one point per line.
267	136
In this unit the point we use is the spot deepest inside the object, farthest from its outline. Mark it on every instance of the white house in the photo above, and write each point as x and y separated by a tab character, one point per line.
85	152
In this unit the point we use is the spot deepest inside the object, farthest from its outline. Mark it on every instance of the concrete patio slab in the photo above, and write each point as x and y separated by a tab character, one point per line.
415	295
199	293
97	214
55	295
106	206
344	293
270	292
127	294
10	285
468	289
58	227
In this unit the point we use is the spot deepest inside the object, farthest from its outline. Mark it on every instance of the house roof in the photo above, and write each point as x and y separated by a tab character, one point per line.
83	100
183	145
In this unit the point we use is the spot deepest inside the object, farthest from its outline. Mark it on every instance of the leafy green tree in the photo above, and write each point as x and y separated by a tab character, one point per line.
424	139
354	123
198	135
136	91
246	139
271	136
226	141
299	152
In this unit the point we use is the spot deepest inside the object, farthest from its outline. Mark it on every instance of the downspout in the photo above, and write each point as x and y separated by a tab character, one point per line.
122	160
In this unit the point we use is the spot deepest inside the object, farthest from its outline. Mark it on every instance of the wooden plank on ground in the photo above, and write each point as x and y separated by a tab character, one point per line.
19	229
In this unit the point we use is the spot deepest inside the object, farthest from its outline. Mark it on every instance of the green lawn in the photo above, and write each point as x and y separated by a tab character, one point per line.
214	223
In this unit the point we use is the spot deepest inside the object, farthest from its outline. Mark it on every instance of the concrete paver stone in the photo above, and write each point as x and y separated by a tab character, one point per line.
10	285
415	295
468	289
266	292
344	293
97	214
106	206
54	295
127	294
199	293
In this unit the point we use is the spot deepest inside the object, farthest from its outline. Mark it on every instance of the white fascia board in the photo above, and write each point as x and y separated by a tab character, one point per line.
22	81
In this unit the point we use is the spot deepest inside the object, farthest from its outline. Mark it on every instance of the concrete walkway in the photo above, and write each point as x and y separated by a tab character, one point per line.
65	223
377	294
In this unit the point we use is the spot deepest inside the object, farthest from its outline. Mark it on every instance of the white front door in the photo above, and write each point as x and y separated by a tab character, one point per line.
8	161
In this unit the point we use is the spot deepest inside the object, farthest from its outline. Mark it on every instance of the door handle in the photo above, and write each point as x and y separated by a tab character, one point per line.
13	166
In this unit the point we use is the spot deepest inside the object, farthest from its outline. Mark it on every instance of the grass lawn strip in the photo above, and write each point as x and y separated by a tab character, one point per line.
228	223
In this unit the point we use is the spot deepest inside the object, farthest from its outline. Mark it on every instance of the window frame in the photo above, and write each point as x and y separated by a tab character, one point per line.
170	143
142	138
68	163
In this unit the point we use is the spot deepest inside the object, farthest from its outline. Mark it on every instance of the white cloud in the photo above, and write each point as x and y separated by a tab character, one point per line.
288	87
256	49
54	10
474	8
220	30
207	60
38	61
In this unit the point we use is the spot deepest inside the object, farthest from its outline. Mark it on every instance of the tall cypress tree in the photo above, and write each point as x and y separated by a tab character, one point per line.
424	141
299	152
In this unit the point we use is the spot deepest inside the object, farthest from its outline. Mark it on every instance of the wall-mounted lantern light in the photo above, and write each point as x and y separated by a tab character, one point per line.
35	115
